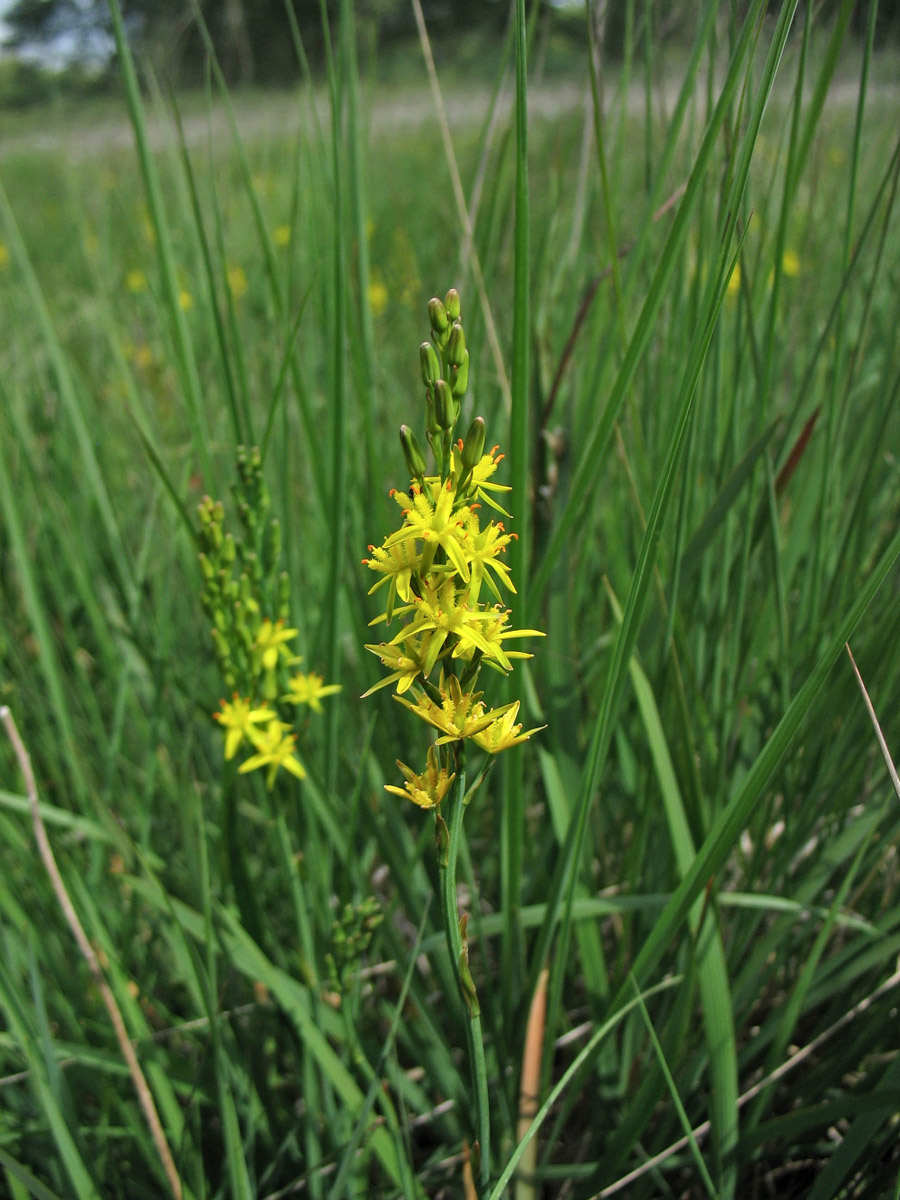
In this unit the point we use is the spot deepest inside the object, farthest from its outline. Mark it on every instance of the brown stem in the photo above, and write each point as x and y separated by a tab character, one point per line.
40	833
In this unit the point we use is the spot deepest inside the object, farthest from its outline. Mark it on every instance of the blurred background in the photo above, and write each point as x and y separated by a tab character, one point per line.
51	49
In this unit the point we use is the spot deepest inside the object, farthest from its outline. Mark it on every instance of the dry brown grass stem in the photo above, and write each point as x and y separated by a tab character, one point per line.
530	1084
882	744
786	1067
128	1053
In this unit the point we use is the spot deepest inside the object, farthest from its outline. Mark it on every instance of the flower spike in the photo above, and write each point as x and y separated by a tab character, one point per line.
438	565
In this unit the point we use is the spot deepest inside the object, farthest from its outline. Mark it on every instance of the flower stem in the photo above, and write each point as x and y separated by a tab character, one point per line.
455	932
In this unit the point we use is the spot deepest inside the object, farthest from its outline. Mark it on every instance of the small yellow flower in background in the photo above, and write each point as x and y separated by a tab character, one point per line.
428	789
378	296
836	156
237	282
238	719
270	642
274	749
734	282
282	235
136	281
790	264
147	229
4	256
185	300
254	651
142	356
309	689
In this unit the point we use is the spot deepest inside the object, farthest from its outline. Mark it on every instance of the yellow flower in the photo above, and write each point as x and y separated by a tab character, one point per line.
4	256
185	300
270	642
237	282
282	236
274	749
459	715
309	689
494	632
442	611
734	282
238	718
404	665
790	263
503	732
481	551
428	789
142	357
136	281
396	563
481	473
434	519
378	297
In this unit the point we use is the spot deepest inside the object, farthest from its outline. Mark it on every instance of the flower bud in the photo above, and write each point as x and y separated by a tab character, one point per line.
473	446
432	429
221	645
451	304
412	452
437	314
445	407
428	361
283	598
228	549
459	377
206	567
272	545
456	345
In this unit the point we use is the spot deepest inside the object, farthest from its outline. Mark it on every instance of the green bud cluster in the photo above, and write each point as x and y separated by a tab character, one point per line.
242	583
444	363
351	935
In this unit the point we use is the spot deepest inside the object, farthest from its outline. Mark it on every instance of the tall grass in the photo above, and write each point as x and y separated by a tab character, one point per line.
691	277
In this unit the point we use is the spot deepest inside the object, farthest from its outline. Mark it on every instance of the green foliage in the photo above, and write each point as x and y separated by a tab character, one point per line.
697	293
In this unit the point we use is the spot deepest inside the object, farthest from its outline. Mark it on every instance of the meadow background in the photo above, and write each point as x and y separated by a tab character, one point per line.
678	263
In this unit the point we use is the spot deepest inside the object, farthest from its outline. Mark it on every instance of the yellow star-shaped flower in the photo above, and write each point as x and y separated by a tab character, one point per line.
274	749
428	789
270	642
459	715
503	732
238	719
309	689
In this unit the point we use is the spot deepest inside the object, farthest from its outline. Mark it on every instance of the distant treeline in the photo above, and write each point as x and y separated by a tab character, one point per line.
66	45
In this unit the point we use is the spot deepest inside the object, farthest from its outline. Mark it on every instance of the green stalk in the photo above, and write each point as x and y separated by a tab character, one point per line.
449	842
514	798
337	413
186	358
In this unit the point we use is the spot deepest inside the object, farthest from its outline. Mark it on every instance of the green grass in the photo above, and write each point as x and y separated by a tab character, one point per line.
702	443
